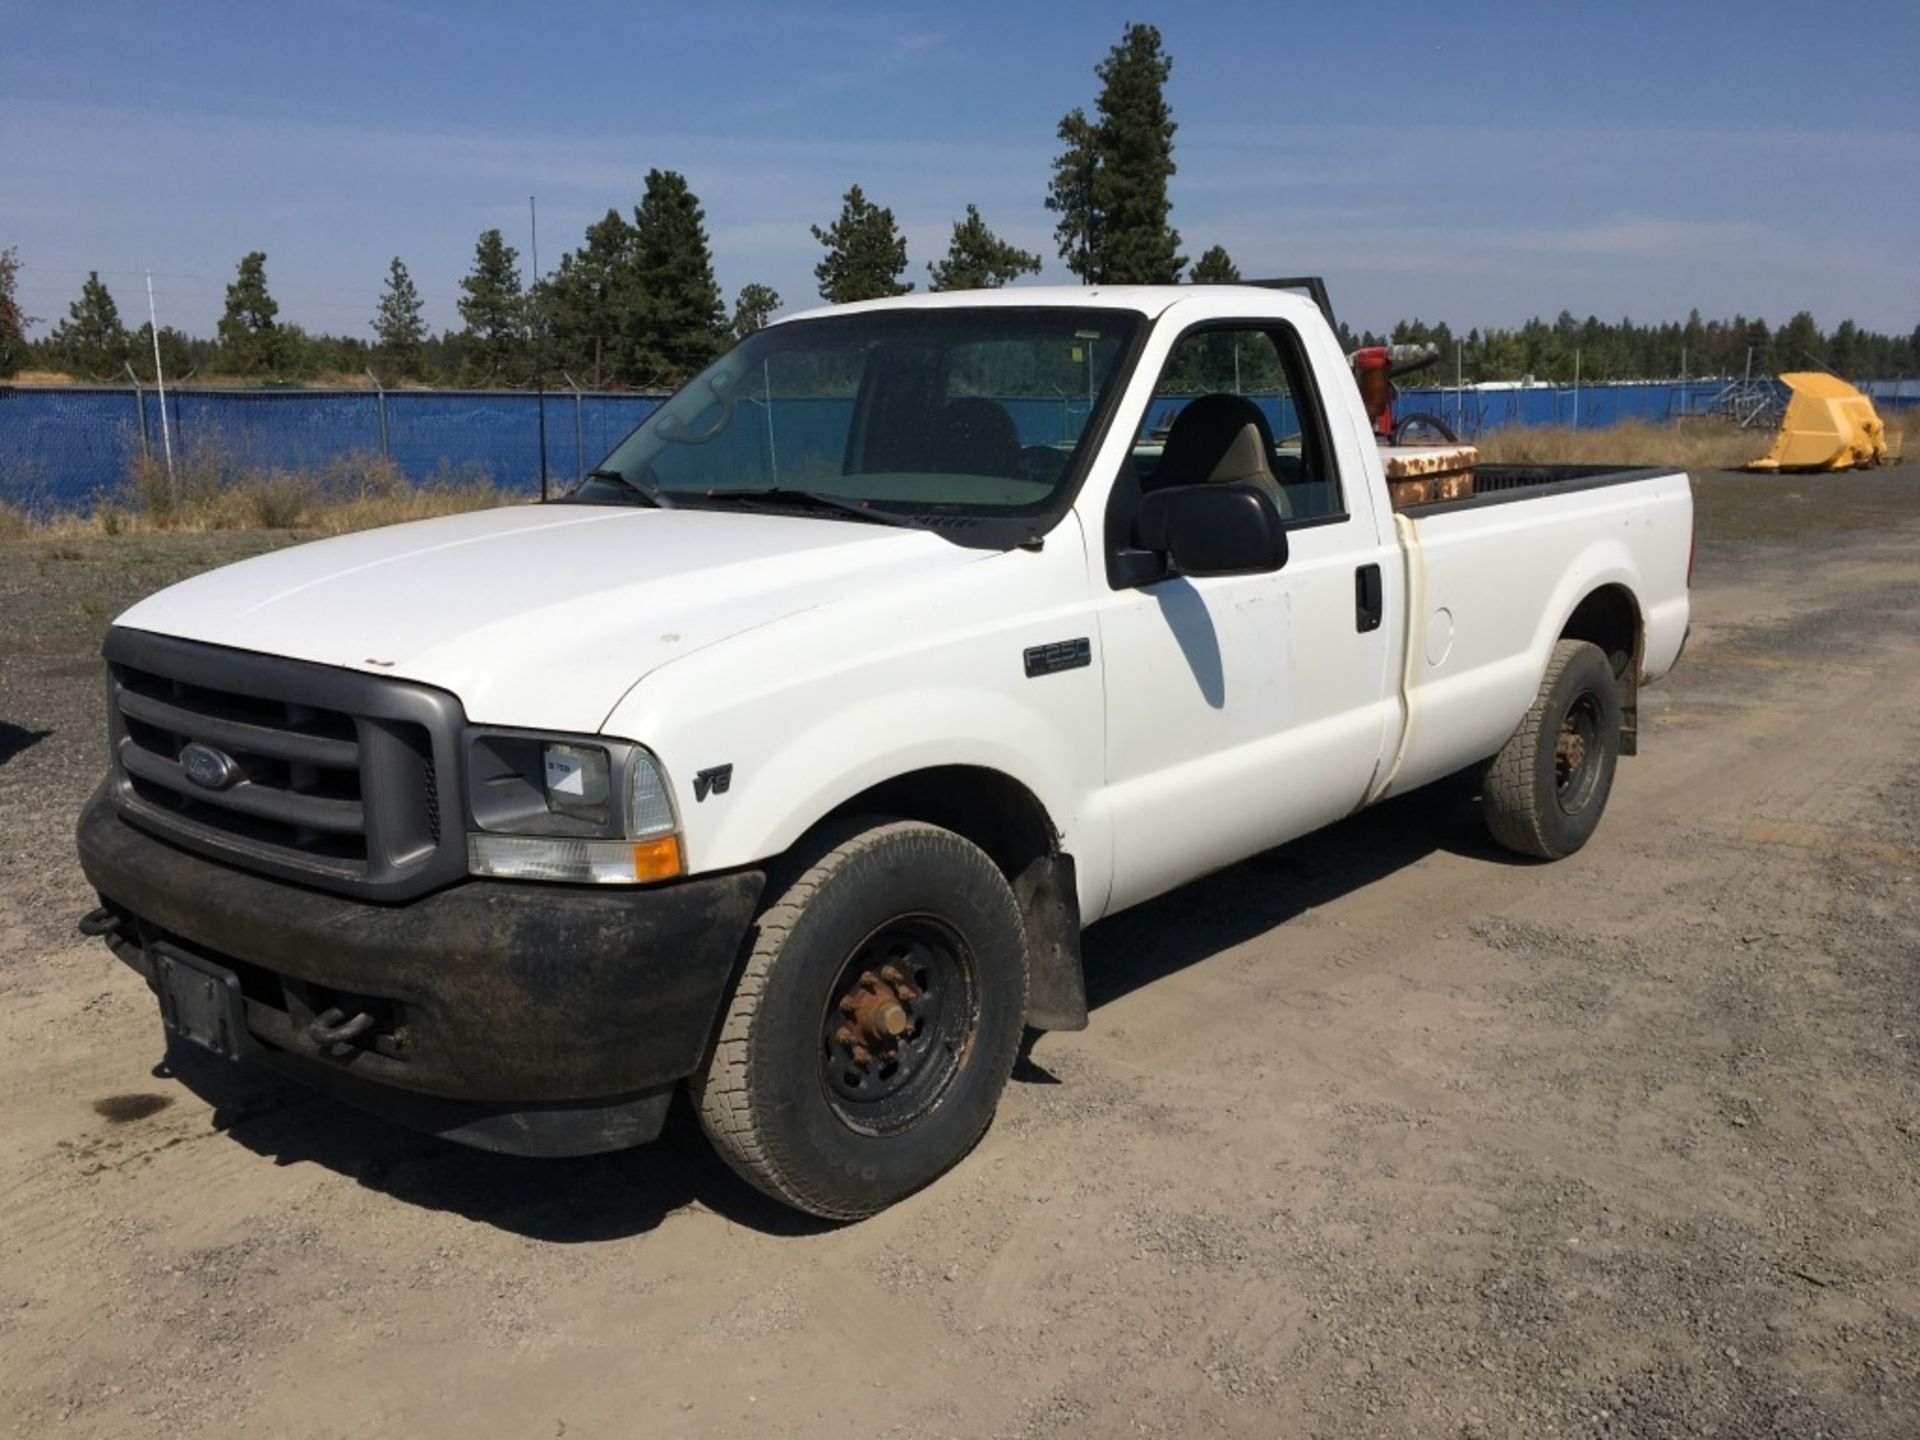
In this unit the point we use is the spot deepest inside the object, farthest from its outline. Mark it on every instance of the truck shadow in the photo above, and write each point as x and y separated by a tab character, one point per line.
17	738
569	1201
608	1197
1147	943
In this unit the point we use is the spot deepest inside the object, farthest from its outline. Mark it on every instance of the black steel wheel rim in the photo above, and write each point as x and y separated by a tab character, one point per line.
899	1025
1576	754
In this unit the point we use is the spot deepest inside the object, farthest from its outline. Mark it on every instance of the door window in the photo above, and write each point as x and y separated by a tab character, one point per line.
1265	367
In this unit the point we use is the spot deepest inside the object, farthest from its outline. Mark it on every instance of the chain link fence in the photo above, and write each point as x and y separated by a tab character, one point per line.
62	448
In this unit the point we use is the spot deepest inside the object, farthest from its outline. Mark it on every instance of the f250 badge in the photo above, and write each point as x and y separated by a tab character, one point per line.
716	781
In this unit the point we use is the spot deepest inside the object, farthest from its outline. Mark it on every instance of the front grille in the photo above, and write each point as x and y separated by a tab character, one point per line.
327	776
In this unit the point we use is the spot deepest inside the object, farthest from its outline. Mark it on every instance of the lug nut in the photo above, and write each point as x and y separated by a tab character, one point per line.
862	1056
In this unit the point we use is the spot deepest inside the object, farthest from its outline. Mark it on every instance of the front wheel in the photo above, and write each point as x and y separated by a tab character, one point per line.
1546	789
874	1025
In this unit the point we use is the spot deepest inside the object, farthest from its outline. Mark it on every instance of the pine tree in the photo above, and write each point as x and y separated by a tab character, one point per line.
495	310
250	342
91	340
585	305
753	308
398	329
1798	344
13	320
176	353
1216	267
678	321
978	259
1071	195
866	253
1110	183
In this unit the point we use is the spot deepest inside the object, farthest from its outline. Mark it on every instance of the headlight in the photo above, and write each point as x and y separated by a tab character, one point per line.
583	810
577	781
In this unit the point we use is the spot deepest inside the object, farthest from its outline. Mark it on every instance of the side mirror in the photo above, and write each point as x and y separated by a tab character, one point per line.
1213	529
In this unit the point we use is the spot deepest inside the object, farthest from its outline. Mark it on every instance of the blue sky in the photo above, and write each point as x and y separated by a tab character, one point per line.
1477	164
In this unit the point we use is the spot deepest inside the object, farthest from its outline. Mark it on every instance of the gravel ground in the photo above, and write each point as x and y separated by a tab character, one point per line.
1378	1134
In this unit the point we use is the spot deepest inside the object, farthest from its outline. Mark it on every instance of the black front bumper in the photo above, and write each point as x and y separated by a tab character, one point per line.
525	1017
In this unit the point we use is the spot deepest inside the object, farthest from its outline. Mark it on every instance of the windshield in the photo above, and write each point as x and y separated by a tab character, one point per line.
929	414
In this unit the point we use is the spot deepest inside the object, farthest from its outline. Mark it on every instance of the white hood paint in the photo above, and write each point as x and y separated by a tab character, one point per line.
542	616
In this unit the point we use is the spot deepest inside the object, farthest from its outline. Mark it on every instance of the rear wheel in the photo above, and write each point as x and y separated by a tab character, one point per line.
1547	788
875	1023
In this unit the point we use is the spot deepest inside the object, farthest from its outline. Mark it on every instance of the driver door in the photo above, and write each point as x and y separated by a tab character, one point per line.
1243	710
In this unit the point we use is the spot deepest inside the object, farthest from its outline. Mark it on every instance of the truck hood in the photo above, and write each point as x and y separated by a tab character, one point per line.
538	615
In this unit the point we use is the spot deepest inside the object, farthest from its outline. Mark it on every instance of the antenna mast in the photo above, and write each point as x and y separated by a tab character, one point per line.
539	369
160	383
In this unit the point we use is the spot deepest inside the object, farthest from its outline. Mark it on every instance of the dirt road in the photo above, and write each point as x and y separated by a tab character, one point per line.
1378	1134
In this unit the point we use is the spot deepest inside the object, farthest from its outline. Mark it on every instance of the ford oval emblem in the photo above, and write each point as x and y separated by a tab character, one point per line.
207	767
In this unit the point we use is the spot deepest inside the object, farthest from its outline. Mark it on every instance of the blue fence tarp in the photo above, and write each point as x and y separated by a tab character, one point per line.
59	448
62	447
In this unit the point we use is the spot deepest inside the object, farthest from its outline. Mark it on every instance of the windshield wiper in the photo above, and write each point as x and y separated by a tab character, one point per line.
776	496
646	490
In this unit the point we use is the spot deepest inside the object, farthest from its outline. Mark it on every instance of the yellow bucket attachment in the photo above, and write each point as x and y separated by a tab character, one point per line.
1828	425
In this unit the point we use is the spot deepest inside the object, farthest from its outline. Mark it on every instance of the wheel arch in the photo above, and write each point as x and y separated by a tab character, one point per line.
1008	821
1608	616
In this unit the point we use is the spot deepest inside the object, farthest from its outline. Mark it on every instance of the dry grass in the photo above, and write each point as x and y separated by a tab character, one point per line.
1688	445
1698	444
320	380
208	490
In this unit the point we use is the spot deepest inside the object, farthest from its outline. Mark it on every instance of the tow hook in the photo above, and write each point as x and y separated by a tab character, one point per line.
98	923
332	1026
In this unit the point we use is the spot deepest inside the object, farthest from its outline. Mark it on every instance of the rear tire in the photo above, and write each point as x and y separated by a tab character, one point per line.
1545	791
866	1045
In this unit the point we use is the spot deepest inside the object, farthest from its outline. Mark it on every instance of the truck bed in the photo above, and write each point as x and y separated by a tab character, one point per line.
1501	484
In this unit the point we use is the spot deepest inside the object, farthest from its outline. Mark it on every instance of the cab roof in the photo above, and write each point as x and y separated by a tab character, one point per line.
1149	300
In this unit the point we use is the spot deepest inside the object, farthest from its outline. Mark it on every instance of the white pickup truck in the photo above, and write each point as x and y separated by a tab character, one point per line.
789	755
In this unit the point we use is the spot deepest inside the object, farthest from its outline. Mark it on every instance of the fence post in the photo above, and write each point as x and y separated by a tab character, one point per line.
380	398
140	407
579	431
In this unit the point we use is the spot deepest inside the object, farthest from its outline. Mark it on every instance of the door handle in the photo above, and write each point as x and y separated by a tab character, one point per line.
1367	598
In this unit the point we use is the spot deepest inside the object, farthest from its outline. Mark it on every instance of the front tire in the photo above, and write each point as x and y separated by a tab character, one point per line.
1547	788
874	1025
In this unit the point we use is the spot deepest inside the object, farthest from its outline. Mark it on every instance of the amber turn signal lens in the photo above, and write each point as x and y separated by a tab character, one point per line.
657	859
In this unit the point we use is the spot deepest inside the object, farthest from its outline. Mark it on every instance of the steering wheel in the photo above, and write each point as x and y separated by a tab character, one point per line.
676	431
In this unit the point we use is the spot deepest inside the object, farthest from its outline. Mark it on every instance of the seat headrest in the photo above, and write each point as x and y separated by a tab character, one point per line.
1216	439
976	436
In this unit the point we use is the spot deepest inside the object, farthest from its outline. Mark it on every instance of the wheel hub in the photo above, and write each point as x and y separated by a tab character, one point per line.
898	1024
876	1017
1570	753
1579	754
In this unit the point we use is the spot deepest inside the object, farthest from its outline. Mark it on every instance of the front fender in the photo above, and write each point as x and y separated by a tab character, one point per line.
813	770
814	709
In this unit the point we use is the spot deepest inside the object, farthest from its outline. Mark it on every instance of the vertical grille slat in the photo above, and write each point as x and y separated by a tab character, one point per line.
327	776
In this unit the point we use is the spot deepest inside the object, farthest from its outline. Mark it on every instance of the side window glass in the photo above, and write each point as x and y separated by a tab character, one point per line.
1265	369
